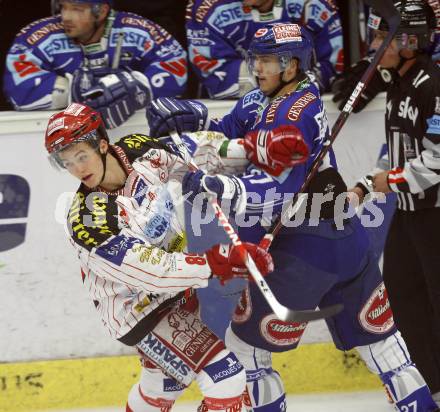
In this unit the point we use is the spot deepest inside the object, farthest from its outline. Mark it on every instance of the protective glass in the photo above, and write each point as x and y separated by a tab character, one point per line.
267	64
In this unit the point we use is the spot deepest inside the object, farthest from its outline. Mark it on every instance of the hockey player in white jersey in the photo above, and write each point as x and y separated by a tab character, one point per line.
124	224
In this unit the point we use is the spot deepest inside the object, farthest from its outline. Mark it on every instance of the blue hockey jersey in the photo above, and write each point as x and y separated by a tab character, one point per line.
42	51
219	33
267	194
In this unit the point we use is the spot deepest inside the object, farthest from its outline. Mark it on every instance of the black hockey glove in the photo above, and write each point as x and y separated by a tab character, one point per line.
345	83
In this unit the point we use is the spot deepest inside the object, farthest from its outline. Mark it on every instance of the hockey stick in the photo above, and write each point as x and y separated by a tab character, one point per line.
281	311
387	10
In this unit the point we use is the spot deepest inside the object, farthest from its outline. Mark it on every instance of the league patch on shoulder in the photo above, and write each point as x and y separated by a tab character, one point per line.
299	106
376	315
281	333
243	310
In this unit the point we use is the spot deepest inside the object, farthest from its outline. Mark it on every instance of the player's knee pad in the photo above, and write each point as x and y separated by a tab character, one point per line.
154	392
265	390
390	360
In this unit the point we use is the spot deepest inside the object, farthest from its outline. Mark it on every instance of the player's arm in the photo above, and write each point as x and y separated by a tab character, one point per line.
162	60
29	81
216	62
323	20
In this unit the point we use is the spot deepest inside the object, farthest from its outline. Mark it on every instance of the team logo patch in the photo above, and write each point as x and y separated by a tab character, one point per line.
286	32
281	333
376	315
260	32
243	309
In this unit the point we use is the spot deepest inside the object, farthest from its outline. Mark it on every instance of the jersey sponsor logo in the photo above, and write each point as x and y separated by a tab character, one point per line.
227	15
23	67
253	97
39	34
318	12
203	63
14	208
58	44
406	111
156	227
175	67
298	107
243	310
434	124
272	109
172	49
224	368
115	250
295	8
138	38
376	315
158	36
166	359
281	333
170	385
204	8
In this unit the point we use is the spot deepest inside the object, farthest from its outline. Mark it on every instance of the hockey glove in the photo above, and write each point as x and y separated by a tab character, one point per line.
228	188
277	149
225	261
345	83
165	114
116	94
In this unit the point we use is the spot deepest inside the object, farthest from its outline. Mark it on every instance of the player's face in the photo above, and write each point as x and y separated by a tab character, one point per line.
266	68
262	6
391	57
78	20
84	162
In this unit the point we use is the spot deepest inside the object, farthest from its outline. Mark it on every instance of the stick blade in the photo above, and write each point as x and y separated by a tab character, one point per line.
311	315
387	10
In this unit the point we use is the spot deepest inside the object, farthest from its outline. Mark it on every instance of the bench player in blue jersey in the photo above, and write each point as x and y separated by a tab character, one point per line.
89	53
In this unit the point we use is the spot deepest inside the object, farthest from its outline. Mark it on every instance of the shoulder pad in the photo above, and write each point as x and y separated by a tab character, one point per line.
92	218
157	33
136	145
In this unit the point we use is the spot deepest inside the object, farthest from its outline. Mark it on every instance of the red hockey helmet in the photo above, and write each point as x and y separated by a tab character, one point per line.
77	123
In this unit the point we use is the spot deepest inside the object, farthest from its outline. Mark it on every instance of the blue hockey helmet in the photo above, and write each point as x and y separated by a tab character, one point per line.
55	4
285	40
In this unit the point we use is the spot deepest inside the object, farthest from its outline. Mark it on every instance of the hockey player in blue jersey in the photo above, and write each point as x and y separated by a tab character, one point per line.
219	33
115	62
322	257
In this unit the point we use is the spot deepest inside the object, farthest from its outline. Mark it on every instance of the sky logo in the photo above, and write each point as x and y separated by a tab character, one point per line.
14	207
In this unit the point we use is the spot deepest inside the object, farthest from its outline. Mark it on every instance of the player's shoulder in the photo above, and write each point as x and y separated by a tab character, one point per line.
425	78
39	30
92	217
199	11
128	20
136	145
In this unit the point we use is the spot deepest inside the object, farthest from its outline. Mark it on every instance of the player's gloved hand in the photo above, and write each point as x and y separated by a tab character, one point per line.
225	261
190	142
116	94
277	149
225	187
165	114
345	83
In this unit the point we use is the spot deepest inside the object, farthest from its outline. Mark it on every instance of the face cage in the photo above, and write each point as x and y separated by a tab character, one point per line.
92	138
269	66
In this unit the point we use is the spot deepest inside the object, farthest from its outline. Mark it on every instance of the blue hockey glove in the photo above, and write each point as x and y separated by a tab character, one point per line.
225	187
116	94
165	114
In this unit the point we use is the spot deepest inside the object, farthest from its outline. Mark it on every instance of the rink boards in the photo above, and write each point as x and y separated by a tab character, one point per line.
46	313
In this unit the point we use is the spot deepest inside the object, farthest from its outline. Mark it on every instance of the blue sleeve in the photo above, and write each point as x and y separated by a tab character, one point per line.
213	58
242	117
29	77
323	20
157	54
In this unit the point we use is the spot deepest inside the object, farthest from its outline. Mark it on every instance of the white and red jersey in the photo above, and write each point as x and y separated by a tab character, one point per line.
131	242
